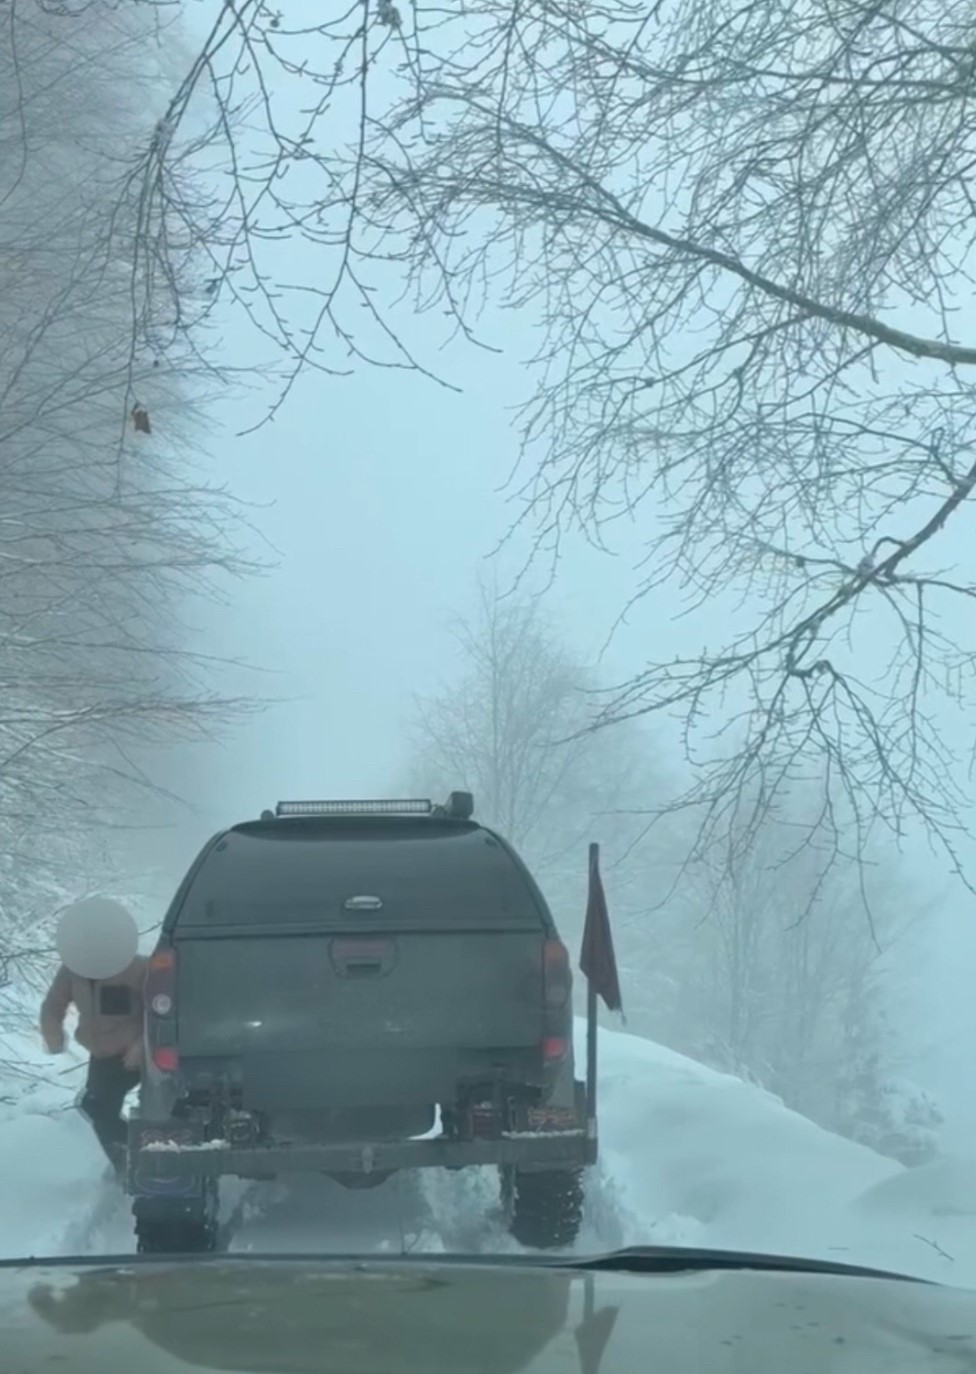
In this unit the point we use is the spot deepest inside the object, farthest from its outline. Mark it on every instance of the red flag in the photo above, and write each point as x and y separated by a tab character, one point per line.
598	963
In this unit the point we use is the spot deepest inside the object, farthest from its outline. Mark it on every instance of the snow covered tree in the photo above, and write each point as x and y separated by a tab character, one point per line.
106	528
772	971
875	1104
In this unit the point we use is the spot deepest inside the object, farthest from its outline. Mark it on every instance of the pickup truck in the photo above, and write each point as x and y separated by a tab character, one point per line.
351	989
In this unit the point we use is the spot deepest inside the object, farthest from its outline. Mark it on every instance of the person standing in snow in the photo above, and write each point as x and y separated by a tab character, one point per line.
102	976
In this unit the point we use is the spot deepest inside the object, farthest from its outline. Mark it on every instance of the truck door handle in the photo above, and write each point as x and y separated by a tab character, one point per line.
363	958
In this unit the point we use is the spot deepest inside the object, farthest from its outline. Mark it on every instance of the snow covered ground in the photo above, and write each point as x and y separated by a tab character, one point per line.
693	1157
688	1156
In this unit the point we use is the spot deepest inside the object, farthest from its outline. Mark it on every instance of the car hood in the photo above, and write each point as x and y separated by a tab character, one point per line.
305	1316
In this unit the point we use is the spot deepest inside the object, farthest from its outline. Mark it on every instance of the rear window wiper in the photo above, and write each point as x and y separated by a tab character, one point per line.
677	1259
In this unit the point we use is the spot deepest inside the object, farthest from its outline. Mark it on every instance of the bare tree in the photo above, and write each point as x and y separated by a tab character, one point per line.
744	234
105	530
507	727
766	971
501	727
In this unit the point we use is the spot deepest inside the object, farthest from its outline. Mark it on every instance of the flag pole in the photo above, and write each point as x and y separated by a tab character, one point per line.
591	1018
598	963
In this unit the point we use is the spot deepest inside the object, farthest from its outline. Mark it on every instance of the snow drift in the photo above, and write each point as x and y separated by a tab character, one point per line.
696	1157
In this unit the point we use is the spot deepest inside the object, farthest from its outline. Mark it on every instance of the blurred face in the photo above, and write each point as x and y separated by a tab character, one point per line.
97	938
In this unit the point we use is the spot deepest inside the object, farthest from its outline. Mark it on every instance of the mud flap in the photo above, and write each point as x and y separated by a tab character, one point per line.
197	1211
154	1196
167	1225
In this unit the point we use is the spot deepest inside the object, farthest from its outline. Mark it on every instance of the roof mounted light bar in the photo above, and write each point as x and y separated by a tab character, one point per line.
405	807
458	807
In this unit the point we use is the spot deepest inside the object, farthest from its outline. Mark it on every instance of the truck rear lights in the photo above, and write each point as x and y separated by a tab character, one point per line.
161	980
160	997
554	1048
557	978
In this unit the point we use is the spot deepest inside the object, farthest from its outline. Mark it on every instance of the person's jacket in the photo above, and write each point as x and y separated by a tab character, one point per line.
110	1011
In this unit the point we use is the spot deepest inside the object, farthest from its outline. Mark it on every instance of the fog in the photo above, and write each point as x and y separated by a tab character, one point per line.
371	507
382	501
377	503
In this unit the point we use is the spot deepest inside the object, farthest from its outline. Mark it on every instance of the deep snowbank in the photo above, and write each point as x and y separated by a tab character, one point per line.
701	1158
688	1156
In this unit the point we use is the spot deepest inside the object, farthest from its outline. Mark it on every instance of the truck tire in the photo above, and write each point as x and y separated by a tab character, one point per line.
544	1210
175	1238
177	1228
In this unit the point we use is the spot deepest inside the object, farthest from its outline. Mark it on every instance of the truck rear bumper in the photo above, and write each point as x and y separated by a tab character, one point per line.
162	1160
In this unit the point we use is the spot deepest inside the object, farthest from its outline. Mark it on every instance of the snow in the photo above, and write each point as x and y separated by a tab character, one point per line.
701	1158
687	1156
539	1135
51	1176
174	1147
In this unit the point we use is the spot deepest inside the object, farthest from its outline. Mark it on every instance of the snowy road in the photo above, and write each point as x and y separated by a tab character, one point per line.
688	1156
431	1213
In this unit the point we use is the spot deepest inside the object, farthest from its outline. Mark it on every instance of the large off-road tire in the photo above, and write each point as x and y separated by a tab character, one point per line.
544	1210
175	1238
165	1227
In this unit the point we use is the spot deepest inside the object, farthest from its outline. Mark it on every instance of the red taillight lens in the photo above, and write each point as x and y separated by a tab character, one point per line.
558	980
554	1047
166	1058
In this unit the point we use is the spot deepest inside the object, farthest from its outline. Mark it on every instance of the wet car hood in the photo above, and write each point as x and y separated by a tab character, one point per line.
306	1316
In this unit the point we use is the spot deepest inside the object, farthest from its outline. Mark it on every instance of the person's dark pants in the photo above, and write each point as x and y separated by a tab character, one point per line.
108	1083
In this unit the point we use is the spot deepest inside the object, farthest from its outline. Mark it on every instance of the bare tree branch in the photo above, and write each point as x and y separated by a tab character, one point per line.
106	531
742	237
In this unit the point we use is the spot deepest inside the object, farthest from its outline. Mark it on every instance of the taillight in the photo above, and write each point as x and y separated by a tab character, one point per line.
557	989
161	982
557	978
554	1047
160	995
